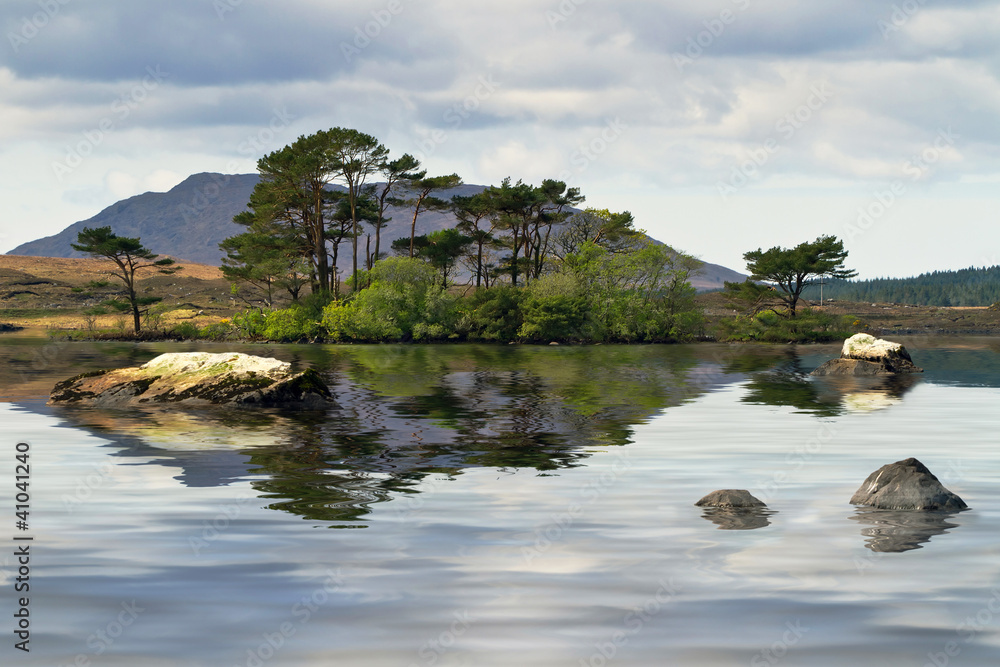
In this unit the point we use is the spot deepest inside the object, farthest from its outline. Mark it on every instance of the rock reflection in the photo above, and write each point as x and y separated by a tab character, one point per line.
738	518
895	531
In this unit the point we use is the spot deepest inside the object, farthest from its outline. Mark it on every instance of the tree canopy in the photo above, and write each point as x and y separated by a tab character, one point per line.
789	271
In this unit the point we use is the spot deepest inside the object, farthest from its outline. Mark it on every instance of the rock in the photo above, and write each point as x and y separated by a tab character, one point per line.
729	498
864	355
197	378
906	485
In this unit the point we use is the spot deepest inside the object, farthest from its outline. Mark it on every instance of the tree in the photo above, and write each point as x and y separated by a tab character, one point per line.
129	256
792	270
397	172
613	231
423	189
441	249
266	259
357	156
473	213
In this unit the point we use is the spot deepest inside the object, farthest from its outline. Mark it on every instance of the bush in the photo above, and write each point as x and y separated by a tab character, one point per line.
492	314
185	330
808	326
290	325
554	309
219	331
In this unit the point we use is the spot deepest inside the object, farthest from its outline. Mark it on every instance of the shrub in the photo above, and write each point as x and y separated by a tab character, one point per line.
185	330
554	309
808	326
291	324
492	314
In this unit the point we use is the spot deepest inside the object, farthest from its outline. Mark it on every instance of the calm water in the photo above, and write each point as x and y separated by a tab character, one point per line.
509	506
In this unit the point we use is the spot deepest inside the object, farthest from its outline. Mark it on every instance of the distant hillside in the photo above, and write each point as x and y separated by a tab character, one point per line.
966	287
190	221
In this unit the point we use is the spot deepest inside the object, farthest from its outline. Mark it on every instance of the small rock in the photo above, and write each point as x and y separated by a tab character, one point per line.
906	485
865	355
730	498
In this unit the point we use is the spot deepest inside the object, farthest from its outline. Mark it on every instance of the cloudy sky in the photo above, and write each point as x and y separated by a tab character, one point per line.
723	125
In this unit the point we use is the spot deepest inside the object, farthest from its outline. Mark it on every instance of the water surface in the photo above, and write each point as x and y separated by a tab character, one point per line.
478	505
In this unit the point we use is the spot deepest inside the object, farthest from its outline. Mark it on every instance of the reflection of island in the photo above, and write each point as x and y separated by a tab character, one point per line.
404	413
894	531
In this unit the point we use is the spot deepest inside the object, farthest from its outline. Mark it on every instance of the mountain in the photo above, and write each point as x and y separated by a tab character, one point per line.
189	221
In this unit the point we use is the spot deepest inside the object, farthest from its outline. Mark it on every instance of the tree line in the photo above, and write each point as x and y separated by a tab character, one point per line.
543	268
966	287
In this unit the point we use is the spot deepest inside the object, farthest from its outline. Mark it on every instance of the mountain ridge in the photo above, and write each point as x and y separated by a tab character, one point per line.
190	220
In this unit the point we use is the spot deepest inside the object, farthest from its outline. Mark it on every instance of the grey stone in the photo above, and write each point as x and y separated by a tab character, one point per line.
730	498
197	378
906	485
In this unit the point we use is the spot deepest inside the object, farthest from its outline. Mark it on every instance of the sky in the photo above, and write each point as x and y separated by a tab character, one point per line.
723	125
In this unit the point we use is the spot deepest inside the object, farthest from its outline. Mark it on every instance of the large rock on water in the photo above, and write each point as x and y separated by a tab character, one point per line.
197	378
906	485
730	498
863	354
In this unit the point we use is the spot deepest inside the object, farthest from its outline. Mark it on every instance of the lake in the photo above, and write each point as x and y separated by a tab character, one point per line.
508	505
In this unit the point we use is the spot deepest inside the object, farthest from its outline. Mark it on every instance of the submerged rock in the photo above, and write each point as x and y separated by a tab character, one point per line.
198	378
730	498
865	355
906	485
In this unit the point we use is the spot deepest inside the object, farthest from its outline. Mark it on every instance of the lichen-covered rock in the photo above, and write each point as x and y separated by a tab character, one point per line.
198	378
906	485
865	355
730	498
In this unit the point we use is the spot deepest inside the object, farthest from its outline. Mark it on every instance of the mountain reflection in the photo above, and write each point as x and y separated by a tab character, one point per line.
895	531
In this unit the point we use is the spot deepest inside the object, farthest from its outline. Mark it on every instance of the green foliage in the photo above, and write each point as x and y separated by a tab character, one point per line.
792	270
400	304
554	309
185	330
492	314
290	325
811	326
115	305
219	331
643	295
